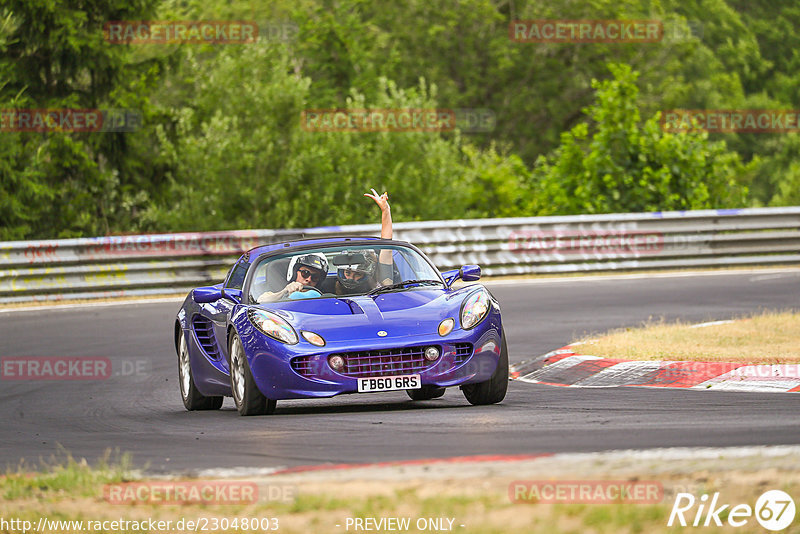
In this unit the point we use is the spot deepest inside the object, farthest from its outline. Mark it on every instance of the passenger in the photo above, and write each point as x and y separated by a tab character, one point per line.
368	270
358	275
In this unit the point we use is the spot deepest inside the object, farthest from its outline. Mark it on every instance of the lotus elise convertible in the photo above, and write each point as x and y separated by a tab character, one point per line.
322	317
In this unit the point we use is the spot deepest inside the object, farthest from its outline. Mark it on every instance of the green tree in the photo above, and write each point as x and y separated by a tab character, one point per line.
54	56
239	157
616	164
220	146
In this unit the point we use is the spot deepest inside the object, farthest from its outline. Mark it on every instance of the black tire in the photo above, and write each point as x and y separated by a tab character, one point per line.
493	390
425	393
246	396
192	398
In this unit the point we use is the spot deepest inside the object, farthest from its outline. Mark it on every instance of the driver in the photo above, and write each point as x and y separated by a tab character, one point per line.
305	270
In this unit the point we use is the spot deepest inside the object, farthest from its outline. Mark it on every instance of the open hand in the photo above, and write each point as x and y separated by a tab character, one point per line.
381	200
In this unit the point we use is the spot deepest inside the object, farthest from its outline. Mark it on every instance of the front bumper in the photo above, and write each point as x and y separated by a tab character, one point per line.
271	361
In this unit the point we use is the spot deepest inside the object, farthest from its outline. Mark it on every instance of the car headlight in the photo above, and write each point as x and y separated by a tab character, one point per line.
273	325
474	309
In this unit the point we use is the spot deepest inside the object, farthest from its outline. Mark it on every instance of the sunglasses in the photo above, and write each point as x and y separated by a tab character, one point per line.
315	277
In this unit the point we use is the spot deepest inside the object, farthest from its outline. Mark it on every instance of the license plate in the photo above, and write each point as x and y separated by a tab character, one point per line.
389	383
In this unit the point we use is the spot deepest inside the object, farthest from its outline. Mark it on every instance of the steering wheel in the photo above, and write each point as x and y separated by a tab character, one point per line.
310	288
305	292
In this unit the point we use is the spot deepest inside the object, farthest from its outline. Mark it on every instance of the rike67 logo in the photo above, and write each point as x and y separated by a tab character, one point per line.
774	510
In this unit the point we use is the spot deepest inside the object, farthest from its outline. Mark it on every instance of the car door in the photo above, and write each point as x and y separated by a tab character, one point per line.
220	310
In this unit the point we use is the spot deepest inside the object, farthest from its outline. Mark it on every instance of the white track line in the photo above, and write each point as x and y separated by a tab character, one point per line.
133	302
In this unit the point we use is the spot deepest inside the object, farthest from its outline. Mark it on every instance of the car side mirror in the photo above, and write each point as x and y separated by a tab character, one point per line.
468	273
203	295
232	294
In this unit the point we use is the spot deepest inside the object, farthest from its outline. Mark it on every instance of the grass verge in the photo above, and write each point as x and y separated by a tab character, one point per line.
767	338
475	498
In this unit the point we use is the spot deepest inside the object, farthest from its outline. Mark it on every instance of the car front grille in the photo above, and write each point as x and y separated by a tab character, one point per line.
372	363
304	366
463	352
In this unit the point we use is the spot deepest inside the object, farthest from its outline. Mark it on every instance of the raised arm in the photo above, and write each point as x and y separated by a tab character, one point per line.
385	257
386	213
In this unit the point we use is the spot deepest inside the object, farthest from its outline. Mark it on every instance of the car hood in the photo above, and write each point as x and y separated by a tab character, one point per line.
400	313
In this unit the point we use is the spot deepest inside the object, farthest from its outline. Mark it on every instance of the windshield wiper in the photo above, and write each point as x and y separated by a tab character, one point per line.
402	285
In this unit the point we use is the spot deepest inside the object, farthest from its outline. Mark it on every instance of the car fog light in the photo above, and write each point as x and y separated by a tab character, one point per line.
431	354
336	363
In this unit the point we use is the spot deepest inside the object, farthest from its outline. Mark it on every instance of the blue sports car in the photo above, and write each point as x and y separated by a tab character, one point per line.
326	316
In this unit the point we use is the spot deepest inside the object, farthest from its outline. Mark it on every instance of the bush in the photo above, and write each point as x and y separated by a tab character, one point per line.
615	164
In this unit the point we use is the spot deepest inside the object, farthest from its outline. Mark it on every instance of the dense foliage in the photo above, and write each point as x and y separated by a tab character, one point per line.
221	144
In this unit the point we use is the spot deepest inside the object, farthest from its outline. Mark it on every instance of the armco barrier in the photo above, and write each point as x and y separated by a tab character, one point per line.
161	263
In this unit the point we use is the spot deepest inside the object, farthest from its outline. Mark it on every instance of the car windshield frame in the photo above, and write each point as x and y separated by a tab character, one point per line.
332	247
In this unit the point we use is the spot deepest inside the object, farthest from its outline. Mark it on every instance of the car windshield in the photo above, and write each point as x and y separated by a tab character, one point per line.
333	271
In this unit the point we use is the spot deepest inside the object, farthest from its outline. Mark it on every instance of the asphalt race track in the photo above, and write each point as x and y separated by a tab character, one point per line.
138	409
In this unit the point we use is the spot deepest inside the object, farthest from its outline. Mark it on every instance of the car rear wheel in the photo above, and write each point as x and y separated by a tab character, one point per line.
248	399
425	393
493	390
192	398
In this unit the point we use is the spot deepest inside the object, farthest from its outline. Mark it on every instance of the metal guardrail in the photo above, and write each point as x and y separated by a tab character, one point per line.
165	263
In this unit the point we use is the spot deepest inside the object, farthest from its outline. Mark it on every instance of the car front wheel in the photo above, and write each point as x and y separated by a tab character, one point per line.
248	399
192	398
493	390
